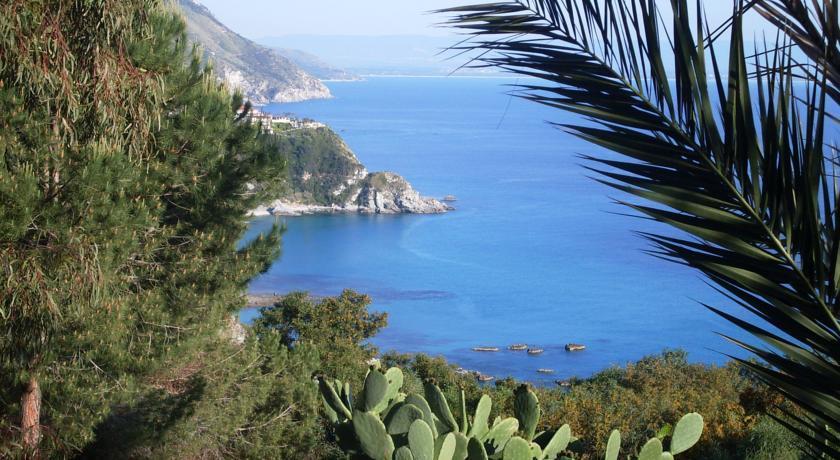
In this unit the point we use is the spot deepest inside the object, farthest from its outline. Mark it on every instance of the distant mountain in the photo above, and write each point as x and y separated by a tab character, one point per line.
262	74
379	55
315	66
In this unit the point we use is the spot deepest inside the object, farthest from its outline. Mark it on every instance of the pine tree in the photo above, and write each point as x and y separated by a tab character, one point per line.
75	140
124	184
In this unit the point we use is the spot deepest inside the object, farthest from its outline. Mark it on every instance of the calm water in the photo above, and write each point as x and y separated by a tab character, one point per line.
534	253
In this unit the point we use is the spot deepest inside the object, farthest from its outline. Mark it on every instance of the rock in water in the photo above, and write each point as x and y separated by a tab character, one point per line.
390	193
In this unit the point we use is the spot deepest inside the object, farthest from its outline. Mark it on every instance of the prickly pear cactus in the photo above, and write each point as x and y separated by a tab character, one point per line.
375	389
387	424
482	414
686	433
526	409
517	449
372	436
440	408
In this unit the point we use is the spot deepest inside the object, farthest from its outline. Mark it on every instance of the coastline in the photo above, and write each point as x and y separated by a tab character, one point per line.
395	259
296	209
376	193
486	77
280	208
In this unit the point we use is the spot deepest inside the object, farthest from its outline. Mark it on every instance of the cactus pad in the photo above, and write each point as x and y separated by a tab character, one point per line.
420	441
686	433
400	419
482	413
526	409
558	443
517	449
437	402
372	436
376	386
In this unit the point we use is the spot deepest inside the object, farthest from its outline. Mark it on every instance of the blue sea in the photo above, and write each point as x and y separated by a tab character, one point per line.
536	252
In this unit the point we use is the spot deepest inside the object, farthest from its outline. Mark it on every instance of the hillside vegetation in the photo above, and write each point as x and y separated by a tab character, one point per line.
324	175
320	166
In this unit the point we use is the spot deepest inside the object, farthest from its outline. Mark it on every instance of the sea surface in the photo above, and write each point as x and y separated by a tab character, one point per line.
536	252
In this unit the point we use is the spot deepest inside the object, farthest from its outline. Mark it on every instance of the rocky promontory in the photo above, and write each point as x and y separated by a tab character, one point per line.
390	193
324	176
377	193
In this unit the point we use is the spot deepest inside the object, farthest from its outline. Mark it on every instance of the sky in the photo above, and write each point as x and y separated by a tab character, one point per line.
257	19
267	18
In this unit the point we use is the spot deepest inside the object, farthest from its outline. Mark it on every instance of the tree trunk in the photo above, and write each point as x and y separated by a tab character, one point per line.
30	424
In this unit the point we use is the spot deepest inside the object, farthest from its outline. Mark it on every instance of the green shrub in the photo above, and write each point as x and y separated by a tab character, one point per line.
637	399
338	327
255	401
769	440
382	422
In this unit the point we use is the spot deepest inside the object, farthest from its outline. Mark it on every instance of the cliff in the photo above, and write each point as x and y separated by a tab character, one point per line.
262	74
324	176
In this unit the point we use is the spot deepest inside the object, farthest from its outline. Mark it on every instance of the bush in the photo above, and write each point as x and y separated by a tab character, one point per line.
769	440
256	400
251	400
638	400
337	326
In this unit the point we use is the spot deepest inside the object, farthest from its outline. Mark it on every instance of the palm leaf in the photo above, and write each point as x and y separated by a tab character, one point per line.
814	28
738	166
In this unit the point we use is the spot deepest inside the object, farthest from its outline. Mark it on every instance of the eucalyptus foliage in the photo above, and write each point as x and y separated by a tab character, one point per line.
729	146
124	188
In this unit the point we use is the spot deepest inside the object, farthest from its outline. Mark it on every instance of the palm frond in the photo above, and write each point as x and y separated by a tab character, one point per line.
738	166
814	28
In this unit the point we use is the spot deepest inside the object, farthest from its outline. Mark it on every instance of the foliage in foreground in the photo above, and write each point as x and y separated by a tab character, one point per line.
124	172
738	159
638	400
385	423
251	400
254	400
338	327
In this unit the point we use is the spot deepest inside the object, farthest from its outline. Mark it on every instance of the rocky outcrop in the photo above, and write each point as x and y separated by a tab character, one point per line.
377	193
262	74
326	177
389	193
266	89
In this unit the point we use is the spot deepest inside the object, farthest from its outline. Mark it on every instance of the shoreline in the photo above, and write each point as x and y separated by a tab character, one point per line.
283	209
496	76
295	209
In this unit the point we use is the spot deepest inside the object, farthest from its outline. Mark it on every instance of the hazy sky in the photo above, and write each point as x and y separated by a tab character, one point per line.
267	18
